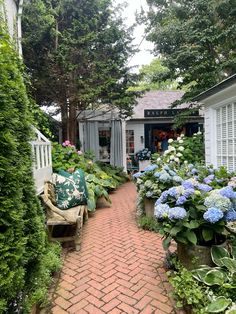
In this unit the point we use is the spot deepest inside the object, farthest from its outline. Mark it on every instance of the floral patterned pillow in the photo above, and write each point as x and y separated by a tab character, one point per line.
70	189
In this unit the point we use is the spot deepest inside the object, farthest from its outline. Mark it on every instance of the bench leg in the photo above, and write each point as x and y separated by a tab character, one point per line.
78	233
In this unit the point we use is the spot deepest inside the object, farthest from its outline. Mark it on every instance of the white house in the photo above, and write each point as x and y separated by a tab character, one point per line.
220	123
112	139
12	10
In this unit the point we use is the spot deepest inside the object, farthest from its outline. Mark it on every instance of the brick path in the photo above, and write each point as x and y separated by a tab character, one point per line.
119	268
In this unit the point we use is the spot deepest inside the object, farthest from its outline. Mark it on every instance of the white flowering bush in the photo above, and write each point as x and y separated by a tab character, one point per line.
184	149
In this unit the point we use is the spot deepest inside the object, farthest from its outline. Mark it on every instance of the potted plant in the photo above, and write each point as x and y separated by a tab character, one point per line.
195	216
143	156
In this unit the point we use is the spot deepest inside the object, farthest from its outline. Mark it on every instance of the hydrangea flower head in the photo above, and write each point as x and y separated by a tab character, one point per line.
157	174
204	187
218	201
177	213
172	173
187	184
165	177
213	215
188	192
177	179
230	215
150	168
227	192
181	148
149	194
138	174
172	192
161	211
166	168
181	200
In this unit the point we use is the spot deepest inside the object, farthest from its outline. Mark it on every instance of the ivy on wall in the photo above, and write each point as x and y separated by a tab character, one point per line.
26	259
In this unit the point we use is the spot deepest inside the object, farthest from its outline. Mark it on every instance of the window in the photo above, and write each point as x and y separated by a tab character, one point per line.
129	141
226	136
104	143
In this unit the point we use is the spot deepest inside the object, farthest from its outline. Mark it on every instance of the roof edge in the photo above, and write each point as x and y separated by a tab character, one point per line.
216	88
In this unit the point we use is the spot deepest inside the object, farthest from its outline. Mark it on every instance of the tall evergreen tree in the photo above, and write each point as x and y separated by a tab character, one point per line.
197	40
77	56
23	244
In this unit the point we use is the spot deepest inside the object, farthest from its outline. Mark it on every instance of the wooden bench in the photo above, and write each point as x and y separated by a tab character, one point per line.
68	222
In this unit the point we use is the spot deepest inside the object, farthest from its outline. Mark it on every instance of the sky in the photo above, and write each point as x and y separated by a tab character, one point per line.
144	56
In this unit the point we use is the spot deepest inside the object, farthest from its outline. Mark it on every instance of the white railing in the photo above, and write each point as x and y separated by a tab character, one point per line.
42	166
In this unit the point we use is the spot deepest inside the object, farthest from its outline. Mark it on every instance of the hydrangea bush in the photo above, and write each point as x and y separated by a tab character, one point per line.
143	154
195	213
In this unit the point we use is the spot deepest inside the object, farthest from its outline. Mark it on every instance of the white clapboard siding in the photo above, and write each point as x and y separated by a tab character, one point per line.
138	129
42	164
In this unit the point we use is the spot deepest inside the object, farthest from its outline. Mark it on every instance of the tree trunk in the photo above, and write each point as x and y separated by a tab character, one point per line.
64	122
72	124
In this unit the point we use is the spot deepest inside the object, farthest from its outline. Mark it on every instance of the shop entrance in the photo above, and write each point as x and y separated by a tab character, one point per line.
157	135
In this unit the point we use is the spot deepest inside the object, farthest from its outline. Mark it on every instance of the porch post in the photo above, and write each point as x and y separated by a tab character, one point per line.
123	127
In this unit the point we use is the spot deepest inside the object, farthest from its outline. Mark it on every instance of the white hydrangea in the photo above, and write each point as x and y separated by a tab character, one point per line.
166	152
179	155
171	148
178	138
185	162
176	159
170	140
199	132
158	159
172	157
181	148
181	141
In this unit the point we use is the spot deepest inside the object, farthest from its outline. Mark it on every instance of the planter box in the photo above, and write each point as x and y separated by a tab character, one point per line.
193	256
143	164
149	206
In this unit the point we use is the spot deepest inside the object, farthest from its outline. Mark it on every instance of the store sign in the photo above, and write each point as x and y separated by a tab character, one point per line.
154	113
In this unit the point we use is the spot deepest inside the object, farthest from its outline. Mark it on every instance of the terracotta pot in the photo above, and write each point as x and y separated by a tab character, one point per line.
149	206
192	256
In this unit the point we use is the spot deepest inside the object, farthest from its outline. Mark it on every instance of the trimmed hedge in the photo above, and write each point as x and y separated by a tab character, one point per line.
26	260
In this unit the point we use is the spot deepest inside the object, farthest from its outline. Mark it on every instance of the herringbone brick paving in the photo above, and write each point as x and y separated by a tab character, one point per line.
119	268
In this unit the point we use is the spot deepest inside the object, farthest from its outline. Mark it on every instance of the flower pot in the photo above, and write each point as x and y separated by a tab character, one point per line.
192	256
149	206
143	164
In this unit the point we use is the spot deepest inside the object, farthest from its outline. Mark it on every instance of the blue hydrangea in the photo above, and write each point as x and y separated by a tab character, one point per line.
194	171
161	211
150	168
172	173
209	179
187	184
138	174
218	201
188	192
177	179
162	198
177	213
157	174
230	215
227	192
181	200
172	192
165	177
204	187
190	166
166	168
213	215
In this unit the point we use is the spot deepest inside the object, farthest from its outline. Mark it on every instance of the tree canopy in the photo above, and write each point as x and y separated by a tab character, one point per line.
196	39
76	53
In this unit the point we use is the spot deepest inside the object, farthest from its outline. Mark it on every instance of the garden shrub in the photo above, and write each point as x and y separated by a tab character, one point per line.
23	242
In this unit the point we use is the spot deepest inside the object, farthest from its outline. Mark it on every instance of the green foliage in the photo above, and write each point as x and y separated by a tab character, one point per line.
187	291
77	56
221	279
23	241
100	179
152	77
195	39
148	223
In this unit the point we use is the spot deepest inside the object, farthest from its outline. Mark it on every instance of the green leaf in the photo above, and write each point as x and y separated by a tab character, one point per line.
214	277
191	236
200	273
233	252
218	305
229	263
193	224
166	243
175	230
207	234
217	253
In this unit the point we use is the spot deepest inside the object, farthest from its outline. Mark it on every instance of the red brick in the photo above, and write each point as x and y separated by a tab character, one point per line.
95	301
62	303
127	309
79	297
143	302
91	309
110	305
57	310
111	295
64	294
77	307
164	307
95	292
